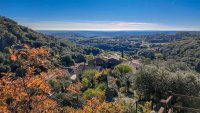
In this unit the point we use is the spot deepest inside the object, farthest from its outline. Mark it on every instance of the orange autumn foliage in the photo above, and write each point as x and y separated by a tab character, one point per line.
34	56
96	106
39	82
29	92
13	57
57	72
3	109
74	88
44	104
15	89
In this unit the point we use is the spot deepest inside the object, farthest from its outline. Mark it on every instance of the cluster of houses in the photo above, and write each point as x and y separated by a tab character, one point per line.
99	63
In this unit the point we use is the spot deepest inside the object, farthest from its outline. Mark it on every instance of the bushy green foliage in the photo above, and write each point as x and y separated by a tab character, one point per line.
99	91
67	60
95	87
59	84
147	53
61	95
89	57
101	77
90	93
88	78
158	78
122	69
124	77
187	51
91	50
101	86
67	99
85	81
78	58
93	78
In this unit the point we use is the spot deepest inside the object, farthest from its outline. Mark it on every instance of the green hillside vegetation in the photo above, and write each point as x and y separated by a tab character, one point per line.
182	46
63	51
186	51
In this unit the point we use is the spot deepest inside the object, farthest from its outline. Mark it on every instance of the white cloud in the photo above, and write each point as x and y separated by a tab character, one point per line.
103	25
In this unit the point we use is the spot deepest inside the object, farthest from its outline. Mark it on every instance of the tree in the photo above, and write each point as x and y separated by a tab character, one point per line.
78	58
157	78
122	69
90	93
88	78
27	91
95	105
67	60
147	53
124	75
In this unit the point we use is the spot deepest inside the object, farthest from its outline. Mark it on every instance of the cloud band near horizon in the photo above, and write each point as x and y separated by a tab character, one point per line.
104	25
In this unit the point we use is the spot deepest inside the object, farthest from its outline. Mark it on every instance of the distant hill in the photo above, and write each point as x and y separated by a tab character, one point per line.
11	33
94	34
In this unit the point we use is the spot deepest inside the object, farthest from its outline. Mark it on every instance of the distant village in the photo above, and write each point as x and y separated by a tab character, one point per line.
99	63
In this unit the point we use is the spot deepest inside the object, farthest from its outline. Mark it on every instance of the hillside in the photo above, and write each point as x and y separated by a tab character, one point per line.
35	74
13	35
186	51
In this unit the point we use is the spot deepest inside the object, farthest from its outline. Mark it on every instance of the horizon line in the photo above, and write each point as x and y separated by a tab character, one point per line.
106	26
112	30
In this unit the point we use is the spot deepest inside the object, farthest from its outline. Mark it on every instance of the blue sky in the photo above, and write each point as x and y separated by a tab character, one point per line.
104	14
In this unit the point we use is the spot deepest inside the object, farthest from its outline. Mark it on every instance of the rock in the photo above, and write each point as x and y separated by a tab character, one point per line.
73	77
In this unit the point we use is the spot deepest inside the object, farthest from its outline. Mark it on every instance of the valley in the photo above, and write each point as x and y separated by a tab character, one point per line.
106	72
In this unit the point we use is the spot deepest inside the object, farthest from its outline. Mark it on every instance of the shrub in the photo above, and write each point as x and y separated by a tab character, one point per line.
102	76
88	78
85	82
147	54
89	57
156	79
124	75
146	108
90	93
59	84
122	69
67	60
66	99
78	58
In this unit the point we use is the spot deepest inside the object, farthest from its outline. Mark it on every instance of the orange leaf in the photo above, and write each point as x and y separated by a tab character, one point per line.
13	57
23	53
